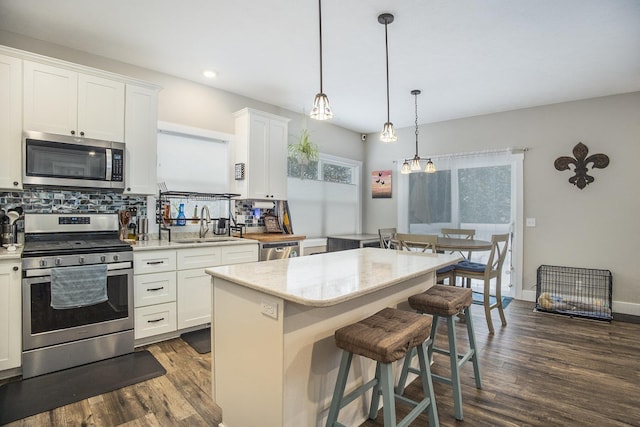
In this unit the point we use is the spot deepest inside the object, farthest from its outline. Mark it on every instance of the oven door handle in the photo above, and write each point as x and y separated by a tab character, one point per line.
41	272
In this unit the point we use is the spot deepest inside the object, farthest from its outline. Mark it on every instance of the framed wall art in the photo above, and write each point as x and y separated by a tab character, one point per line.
381	184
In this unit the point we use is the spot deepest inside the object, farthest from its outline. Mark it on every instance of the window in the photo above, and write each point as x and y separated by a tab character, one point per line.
324	196
482	191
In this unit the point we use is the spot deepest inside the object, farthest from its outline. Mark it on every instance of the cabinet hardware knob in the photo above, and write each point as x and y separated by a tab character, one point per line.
81	133
73	132
15	183
15	268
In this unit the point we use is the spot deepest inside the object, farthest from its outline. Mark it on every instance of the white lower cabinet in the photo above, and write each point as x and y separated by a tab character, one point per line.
154	292
172	291
194	298
10	315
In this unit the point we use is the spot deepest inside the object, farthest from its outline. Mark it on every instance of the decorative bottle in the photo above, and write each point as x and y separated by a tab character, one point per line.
182	219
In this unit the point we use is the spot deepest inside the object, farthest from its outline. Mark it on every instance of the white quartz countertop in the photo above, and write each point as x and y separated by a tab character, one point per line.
331	278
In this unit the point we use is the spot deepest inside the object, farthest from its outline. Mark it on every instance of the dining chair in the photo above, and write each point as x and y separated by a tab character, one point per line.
486	272
386	236
426	243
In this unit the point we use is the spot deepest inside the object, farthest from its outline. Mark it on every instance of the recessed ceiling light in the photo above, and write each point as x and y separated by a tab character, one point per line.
209	74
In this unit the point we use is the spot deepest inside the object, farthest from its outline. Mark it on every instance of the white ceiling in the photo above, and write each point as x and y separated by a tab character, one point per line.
468	57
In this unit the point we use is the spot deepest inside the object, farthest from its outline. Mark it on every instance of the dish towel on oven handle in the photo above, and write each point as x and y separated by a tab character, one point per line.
74	287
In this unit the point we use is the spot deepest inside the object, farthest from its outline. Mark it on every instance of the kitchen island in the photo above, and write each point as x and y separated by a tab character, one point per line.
274	357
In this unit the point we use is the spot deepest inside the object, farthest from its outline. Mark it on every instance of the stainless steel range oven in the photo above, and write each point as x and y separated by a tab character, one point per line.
77	292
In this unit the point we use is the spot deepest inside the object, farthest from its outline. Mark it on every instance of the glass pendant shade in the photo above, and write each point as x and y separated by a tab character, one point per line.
431	168
415	164
388	133
321	109
406	169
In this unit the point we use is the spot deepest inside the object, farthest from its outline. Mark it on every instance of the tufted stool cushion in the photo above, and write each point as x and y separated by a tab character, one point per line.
442	300
386	336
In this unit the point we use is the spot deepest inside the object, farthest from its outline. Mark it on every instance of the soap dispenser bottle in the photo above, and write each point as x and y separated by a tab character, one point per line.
182	219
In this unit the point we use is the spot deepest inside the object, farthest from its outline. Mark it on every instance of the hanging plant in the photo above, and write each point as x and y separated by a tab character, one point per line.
304	151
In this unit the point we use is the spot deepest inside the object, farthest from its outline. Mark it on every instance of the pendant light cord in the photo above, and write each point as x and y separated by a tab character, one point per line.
320	24
415	93
386	44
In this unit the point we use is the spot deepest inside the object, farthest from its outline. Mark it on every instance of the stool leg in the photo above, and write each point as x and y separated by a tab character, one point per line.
402	382
427	384
388	396
434	327
472	345
455	371
375	396
338	392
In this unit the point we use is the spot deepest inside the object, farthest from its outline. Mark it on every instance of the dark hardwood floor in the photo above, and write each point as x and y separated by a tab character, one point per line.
540	370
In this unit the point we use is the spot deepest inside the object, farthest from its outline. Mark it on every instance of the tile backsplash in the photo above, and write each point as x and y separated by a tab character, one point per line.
47	200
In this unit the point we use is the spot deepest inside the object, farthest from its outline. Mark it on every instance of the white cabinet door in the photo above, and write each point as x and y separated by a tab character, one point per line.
100	108
141	130
50	99
261	143
194	298
277	169
10	315
64	102
258	167
10	123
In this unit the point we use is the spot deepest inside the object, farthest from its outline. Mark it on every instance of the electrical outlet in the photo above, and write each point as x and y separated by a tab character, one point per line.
531	222
269	309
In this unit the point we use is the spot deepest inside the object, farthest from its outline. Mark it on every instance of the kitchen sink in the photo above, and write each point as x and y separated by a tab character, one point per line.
205	240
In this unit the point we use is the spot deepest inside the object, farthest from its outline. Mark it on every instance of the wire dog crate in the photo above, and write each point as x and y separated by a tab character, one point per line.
580	292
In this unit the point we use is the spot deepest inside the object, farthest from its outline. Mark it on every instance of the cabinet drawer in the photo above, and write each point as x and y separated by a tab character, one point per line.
155	320
155	288
198	257
154	261
239	254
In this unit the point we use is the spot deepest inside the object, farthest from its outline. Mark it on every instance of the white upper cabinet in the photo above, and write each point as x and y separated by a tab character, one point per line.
65	102
261	144
141	134
10	122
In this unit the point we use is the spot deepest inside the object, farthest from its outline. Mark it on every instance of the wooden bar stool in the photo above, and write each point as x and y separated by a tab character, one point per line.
385	337
447	302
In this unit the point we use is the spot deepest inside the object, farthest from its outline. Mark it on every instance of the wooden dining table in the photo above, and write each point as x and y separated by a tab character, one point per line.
455	244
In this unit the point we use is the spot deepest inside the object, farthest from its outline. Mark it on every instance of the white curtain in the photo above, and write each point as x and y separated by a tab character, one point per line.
481	190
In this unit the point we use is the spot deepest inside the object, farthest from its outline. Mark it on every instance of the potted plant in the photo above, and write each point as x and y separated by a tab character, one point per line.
304	151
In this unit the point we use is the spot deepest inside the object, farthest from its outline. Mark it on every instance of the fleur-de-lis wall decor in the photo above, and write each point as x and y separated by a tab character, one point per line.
581	179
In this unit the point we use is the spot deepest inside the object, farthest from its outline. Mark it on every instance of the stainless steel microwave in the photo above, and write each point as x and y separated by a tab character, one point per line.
65	161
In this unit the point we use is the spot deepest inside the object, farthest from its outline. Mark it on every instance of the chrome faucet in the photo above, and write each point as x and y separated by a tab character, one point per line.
204	224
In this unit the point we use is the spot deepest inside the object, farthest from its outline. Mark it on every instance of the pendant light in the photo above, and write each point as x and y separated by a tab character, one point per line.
414	164
321	109
388	132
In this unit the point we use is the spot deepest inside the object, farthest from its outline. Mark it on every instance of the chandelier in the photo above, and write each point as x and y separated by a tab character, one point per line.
413	165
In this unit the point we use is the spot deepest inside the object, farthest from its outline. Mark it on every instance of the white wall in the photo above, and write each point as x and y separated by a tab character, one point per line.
596	227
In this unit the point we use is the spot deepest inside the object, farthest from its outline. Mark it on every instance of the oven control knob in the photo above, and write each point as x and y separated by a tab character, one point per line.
81	260
115	257
103	258
58	261
43	263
